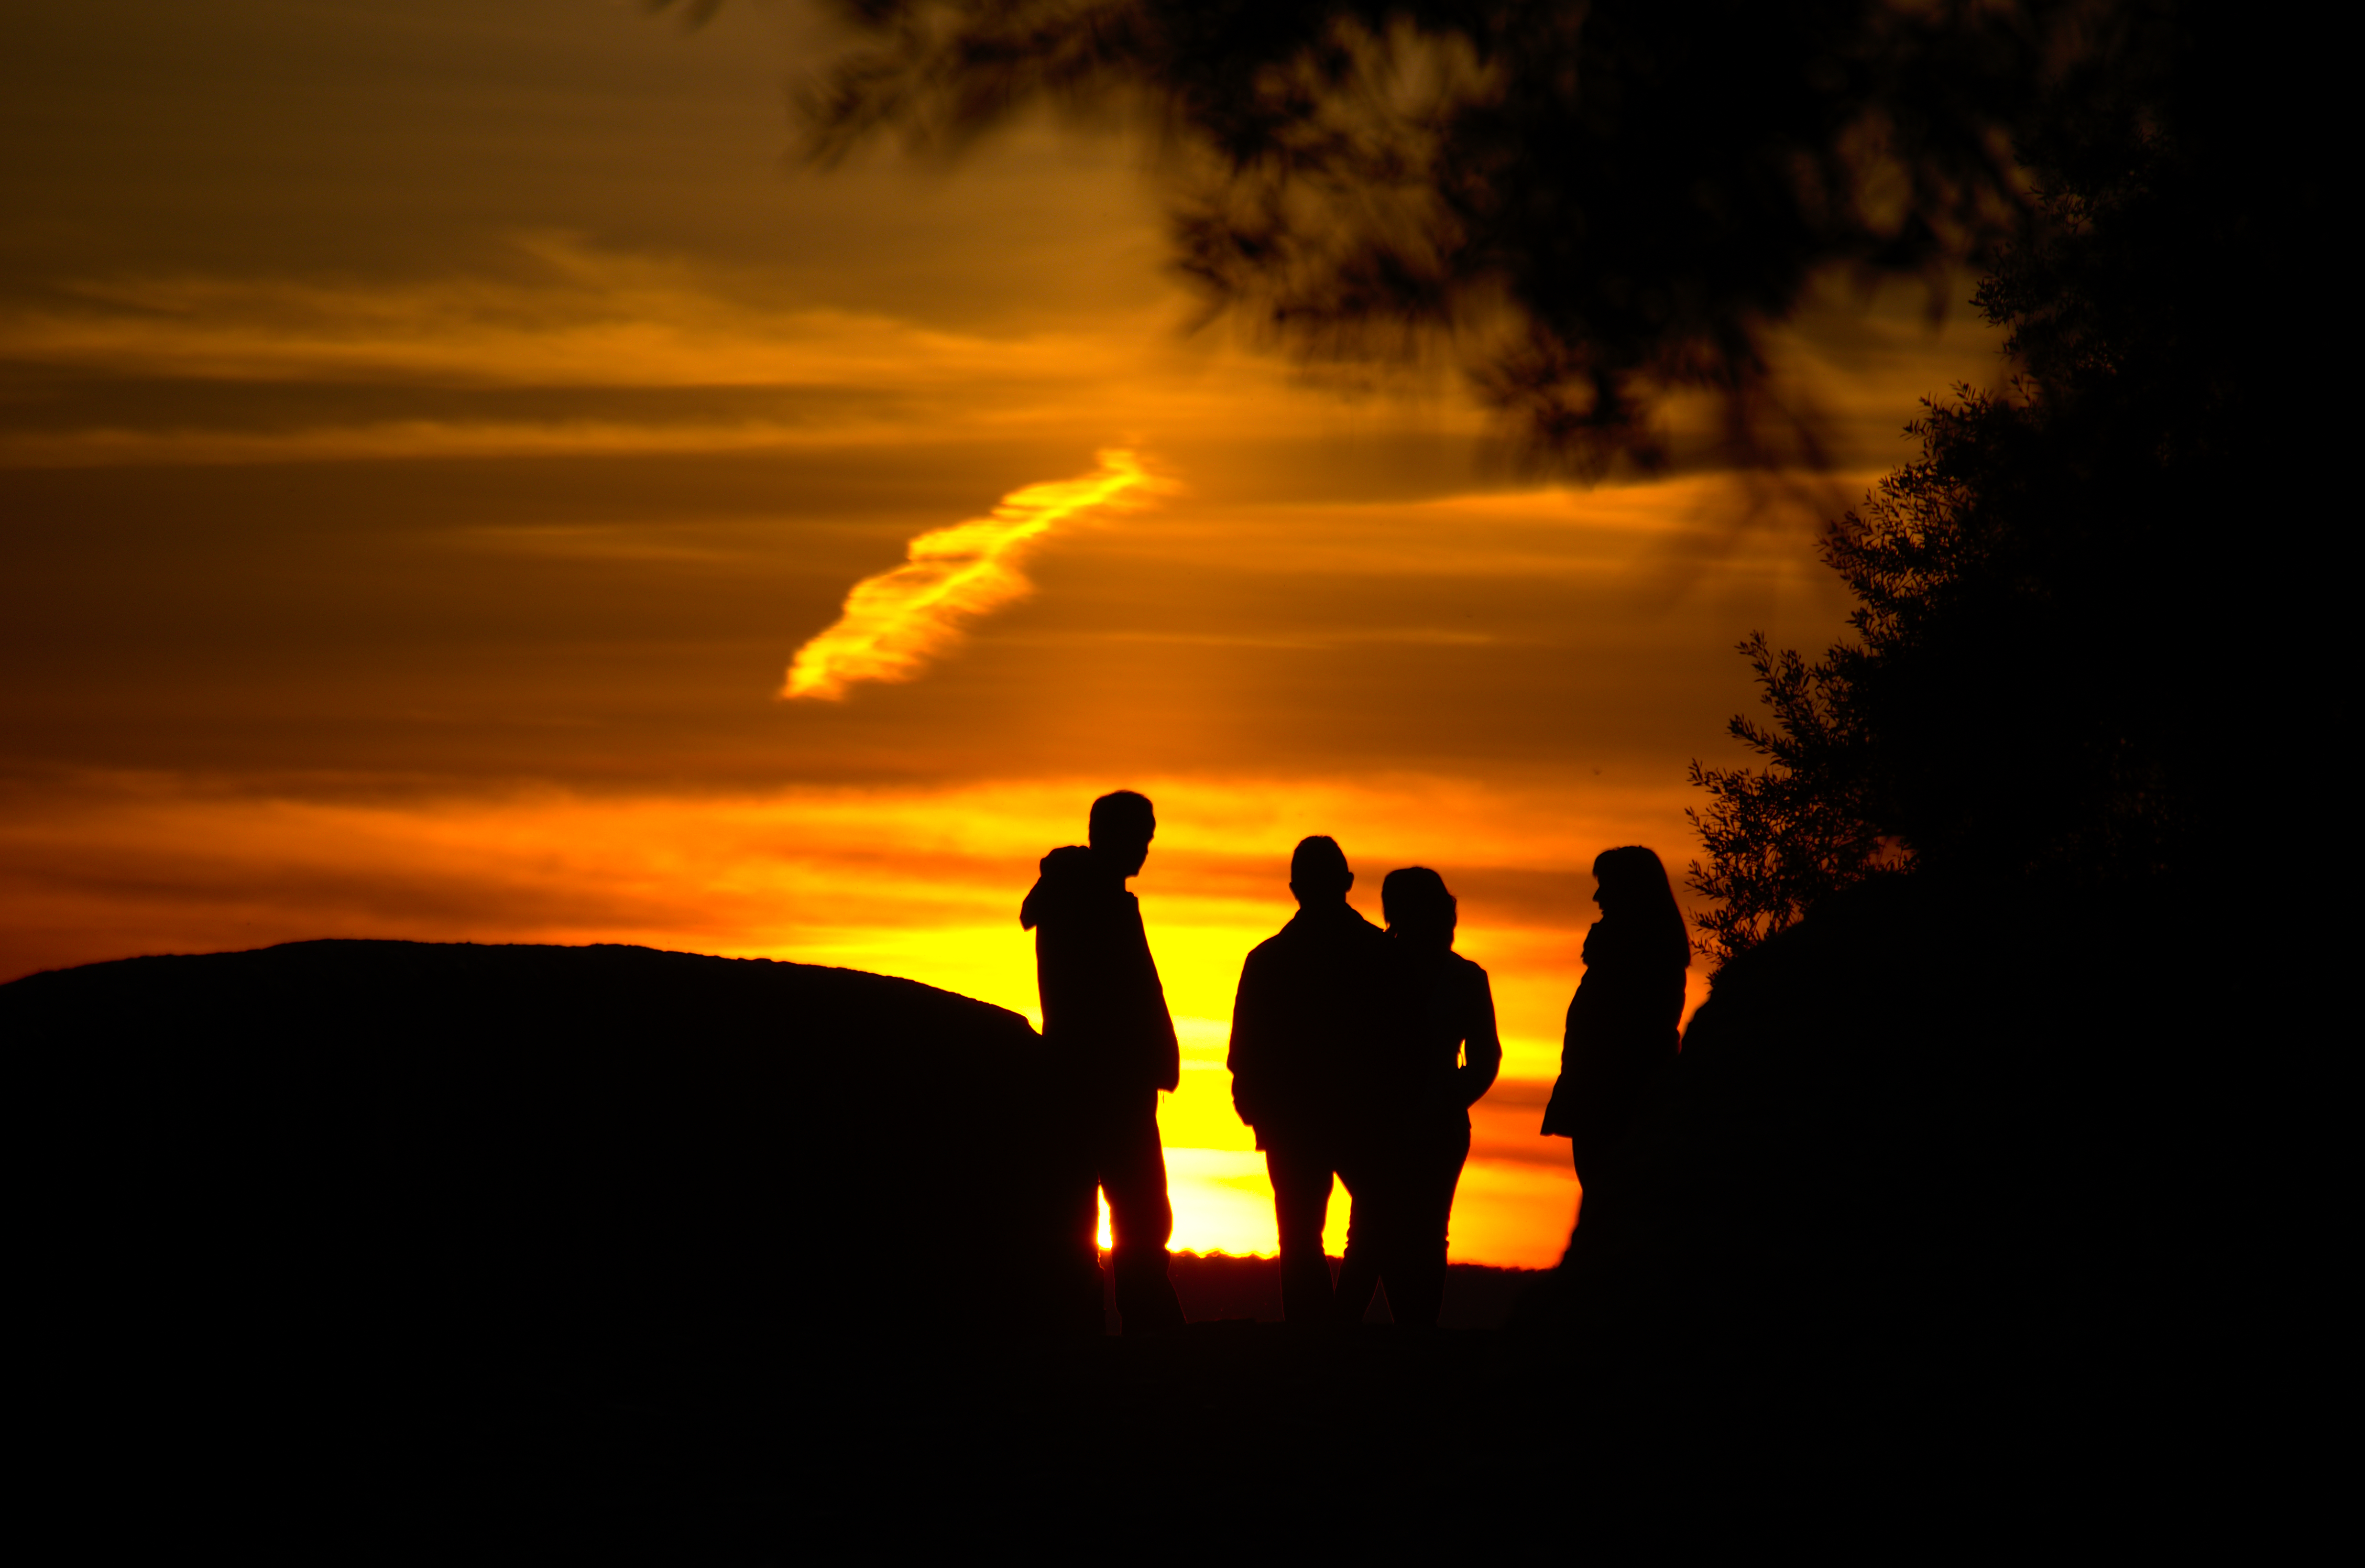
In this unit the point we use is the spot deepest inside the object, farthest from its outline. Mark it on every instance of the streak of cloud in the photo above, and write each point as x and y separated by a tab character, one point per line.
894	623
569	348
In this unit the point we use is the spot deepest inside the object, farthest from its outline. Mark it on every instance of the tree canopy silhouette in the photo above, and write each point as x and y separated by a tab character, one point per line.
2063	625
1605	204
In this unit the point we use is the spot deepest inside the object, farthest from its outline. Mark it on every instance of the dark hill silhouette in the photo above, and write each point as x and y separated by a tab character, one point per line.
325	1187
575	1250
662	1132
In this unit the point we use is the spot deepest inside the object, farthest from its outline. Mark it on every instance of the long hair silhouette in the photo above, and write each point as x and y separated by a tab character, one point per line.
1636	894
1623	1022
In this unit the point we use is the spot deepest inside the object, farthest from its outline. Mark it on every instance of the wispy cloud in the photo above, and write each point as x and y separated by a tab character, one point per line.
532	361
894	623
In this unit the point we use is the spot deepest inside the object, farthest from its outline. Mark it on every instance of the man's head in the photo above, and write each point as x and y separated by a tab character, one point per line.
1122	827
1318	872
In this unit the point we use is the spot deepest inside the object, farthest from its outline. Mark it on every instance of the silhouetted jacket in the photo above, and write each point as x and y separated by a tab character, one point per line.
1622	1032
1459	1006
1325	1030
1104	1018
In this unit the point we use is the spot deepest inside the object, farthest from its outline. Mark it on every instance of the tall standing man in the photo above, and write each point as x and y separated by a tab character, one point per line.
1315	1033
1112	1049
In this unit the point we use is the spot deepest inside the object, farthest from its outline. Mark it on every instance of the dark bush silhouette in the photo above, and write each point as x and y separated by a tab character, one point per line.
2064	630
1899	1228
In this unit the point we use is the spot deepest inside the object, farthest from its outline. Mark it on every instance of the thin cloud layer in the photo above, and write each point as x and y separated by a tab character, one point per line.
574	348
895	622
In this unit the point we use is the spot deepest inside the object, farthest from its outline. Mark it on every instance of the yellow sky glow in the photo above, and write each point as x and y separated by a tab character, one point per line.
924	883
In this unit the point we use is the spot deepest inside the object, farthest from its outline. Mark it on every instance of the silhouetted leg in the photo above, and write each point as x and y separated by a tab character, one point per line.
1141	1219
1301	1198
1359	1271
1584	1154
1078	1309
1417	1262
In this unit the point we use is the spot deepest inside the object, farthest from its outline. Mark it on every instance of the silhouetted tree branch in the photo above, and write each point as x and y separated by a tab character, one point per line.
2066	635
1780	838
1604	203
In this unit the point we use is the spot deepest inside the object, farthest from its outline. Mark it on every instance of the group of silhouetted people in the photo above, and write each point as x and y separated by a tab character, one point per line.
1356	1054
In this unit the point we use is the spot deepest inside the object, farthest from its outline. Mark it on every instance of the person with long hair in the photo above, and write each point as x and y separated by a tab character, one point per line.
1403	1168
1623	1022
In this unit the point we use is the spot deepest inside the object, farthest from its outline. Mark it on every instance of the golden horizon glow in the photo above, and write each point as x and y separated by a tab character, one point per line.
896	622
922	882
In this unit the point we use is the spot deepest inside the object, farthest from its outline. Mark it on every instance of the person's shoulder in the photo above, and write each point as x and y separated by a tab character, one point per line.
1470	980
1055	892
1276	946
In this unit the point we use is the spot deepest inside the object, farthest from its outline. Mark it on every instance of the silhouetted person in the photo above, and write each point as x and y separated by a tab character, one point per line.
1403	1166
1623	1024
1313	1029
1112	1047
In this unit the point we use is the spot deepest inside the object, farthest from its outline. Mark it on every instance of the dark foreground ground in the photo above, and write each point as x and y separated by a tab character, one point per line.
1232	1438
397	1252
1215	1287
1229	1441
1235	1440
358	1252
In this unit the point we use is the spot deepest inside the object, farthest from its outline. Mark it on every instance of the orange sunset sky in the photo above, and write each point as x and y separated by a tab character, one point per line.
432	431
